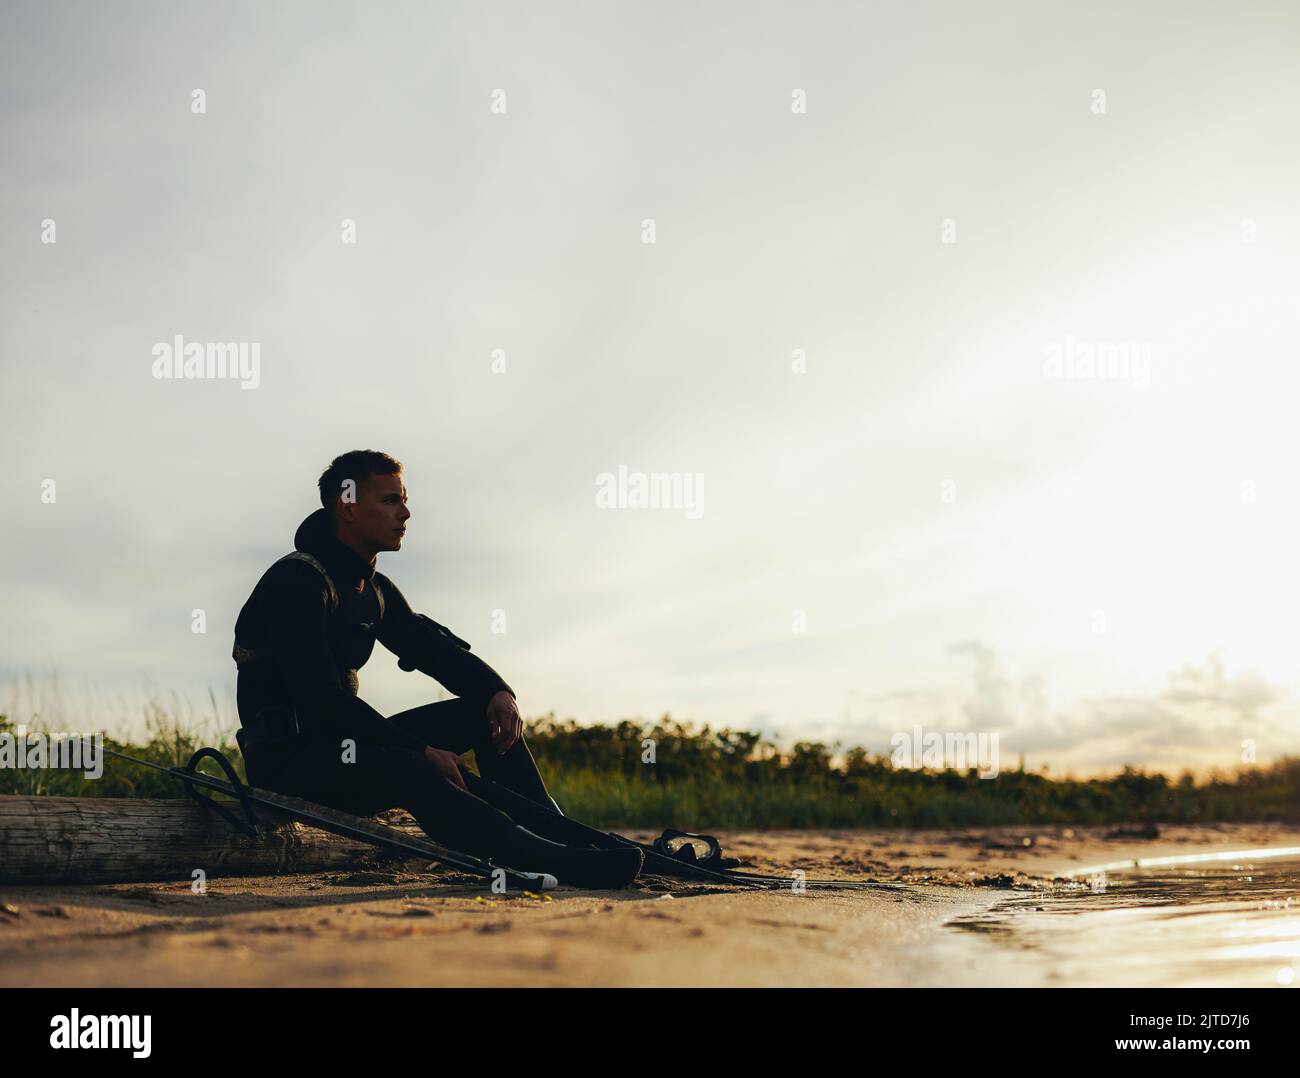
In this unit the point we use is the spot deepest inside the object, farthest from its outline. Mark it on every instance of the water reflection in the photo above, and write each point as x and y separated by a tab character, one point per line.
1209	920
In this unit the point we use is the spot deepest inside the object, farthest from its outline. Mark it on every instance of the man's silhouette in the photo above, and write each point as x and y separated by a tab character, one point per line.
312	622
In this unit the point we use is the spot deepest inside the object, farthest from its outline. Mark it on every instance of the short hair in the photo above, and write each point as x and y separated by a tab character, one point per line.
356	465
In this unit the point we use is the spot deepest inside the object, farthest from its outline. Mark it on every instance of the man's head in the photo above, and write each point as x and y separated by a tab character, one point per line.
365	497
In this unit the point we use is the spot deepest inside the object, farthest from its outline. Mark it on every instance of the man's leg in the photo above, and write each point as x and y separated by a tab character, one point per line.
388	778
458	726
382	778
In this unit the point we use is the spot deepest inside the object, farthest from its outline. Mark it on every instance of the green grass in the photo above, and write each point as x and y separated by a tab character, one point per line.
703	779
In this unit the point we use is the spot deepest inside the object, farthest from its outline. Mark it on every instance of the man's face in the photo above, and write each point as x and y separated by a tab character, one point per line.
377	519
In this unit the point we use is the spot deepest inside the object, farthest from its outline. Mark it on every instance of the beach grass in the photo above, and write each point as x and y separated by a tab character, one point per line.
695	778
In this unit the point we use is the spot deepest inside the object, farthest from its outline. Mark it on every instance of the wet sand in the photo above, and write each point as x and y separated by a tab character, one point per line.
392	925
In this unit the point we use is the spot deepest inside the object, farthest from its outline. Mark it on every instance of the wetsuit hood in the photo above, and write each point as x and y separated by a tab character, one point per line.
315	537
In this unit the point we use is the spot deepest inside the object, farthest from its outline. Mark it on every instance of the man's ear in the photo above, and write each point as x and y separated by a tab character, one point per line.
345	509
346	503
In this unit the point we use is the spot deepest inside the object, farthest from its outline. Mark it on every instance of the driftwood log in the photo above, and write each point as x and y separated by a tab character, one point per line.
103	840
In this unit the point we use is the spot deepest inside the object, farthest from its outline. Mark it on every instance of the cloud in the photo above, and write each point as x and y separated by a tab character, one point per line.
1199	719
1207	684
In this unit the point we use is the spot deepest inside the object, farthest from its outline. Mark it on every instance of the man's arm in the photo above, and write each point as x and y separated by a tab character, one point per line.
296	619
422	644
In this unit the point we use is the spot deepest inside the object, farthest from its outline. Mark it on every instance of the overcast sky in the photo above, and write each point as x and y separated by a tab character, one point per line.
880	233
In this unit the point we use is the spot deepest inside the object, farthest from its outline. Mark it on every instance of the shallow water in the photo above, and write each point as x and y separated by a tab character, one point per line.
1223	920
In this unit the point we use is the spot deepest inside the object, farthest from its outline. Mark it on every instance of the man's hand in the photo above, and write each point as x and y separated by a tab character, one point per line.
446	762
505	726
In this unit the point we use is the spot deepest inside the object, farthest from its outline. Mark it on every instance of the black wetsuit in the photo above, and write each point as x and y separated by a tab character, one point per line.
309	625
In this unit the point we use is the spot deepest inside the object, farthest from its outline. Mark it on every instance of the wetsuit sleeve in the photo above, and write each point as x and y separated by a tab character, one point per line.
422	644
296	619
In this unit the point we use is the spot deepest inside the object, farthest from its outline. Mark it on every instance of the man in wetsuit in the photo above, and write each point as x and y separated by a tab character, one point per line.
312	622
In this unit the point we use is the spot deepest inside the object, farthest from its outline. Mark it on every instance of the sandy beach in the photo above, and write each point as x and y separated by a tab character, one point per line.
393	925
